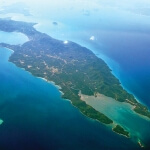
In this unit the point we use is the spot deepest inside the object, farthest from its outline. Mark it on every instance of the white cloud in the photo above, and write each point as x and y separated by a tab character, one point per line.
92	38
66	42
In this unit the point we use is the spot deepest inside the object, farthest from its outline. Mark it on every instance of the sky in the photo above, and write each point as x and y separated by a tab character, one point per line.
114	12
136	6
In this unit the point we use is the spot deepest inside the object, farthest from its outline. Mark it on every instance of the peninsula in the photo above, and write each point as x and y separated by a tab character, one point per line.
73	67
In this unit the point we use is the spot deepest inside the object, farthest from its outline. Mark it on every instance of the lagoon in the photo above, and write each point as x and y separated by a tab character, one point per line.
18	38
122	114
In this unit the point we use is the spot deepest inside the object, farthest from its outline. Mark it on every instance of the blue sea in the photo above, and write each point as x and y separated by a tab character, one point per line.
34	114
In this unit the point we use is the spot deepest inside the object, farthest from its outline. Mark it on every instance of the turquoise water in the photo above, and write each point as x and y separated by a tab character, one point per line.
122	114
18	38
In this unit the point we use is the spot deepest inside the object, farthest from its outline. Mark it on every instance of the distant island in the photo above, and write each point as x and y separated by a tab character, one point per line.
55	23
72	67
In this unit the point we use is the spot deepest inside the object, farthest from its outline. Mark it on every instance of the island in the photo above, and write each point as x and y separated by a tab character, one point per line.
118	129
70	66
55	23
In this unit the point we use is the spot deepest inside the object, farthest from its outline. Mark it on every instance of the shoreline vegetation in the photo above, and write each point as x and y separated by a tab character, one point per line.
69	66
118	129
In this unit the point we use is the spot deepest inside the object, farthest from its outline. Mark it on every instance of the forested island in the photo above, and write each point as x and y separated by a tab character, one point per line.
118	129
72	67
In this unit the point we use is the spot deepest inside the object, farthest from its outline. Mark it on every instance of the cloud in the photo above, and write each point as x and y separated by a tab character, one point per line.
92	38
66	42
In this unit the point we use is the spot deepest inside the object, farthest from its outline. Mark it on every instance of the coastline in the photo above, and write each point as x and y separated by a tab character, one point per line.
69	94
119	113
110	65
140	108
120	134
98	95
59	88
113	126
52	83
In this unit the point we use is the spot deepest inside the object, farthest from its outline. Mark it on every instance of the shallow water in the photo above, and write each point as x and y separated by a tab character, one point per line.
18	38
122	114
